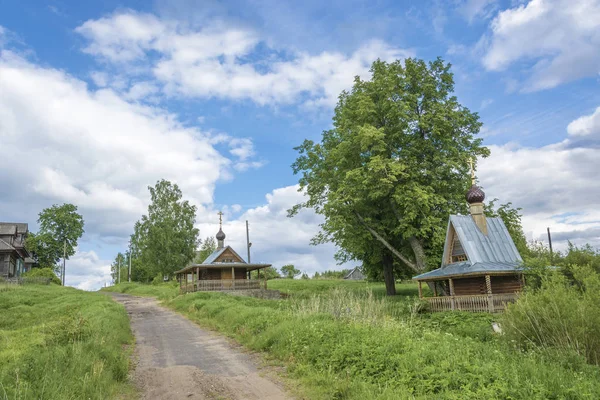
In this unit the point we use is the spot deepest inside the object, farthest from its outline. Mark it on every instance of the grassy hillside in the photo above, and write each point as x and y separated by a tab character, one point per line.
344	340
62	343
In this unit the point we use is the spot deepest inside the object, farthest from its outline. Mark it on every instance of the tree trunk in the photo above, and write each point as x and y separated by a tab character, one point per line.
419	252
388	272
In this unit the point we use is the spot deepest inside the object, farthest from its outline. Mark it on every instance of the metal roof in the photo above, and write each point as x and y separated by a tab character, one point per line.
466	268
496	246
494	252
8	229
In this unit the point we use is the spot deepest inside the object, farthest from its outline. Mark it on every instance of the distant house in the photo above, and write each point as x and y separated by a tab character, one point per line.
224	269
355	275
481	267
14	258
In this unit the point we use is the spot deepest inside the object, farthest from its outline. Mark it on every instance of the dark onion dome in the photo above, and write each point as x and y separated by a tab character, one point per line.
220	235
475	195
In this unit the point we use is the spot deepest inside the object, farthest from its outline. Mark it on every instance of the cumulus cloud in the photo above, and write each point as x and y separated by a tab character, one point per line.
277	239
226	62
558	38
87	271
95	149
556	185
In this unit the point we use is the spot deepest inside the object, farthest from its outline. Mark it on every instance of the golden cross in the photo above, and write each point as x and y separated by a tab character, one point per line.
472	171
220	214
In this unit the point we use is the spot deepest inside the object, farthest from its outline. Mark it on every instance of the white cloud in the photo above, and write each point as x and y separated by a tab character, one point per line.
588	125
559	37
277	239
85	270
556	185
68	143
227	62
472	9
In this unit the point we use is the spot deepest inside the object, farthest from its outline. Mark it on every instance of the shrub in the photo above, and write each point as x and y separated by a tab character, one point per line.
43	273
560	315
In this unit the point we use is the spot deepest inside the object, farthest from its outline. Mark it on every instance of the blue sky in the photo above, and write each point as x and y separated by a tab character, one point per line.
98	100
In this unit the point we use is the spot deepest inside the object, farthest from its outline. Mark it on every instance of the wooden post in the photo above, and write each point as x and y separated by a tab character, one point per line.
434	289
488	287
451	282
186	281
233	277
420	291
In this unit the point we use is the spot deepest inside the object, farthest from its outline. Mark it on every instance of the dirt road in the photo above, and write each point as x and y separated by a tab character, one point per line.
176	359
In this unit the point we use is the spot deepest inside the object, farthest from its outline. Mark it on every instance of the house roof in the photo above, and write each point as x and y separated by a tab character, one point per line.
353	270
221	265
215	254
8	229
21	227
493	253
466	268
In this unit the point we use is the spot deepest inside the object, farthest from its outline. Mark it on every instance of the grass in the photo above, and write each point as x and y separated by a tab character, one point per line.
62	343
345	340
163	291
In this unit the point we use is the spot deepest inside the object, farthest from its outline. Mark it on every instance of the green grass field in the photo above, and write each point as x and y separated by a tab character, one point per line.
345	340
62	343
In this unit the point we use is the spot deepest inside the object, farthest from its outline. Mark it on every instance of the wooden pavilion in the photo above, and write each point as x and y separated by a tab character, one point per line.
481	267
223	270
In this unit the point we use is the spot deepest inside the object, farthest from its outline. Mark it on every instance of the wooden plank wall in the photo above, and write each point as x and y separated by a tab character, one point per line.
506	284
469	286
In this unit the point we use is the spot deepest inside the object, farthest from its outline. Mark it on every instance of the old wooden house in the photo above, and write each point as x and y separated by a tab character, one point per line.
224	269
481	267
14	257
355	275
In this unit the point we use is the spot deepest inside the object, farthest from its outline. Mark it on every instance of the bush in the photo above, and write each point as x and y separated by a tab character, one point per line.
561	315
43	273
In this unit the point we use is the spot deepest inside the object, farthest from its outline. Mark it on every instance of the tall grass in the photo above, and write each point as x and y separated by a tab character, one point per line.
335	349
561	315
62	343
162	291
345	304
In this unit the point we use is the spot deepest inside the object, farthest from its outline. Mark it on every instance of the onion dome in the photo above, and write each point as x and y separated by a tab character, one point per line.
220	235
475	195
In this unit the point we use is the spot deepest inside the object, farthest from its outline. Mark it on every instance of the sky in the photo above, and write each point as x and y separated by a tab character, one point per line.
99	100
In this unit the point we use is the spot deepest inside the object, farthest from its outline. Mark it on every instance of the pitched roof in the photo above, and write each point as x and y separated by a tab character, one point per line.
21	227
211	259
355	270
8	229
493	253
496	246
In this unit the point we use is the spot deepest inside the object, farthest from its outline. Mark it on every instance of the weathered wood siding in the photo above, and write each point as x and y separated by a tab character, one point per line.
228	255
506	284
469	286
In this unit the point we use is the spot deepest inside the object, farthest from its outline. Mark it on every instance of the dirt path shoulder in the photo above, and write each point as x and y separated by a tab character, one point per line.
176	359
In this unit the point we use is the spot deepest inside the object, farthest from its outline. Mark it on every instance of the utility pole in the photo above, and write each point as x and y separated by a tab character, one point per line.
248	244
248	240
550	243
129	264
119	274
64	269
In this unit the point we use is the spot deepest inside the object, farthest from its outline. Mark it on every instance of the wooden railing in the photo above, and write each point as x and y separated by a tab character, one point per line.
206	285
474	303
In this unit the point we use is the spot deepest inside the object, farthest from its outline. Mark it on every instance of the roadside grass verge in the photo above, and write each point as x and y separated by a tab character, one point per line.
163	291
63	343
342	340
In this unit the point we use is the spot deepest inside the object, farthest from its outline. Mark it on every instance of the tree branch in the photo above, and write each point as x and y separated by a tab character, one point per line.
391	248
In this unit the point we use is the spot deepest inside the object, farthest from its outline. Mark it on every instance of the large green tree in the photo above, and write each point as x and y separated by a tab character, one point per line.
289	271
165	240
392	168
61	226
